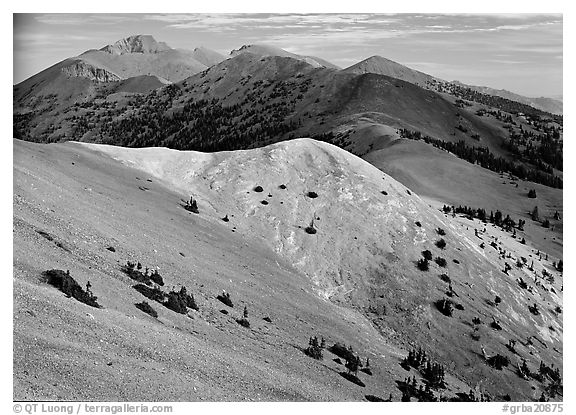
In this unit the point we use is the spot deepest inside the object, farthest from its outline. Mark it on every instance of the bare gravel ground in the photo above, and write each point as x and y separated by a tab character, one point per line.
66	350
354	282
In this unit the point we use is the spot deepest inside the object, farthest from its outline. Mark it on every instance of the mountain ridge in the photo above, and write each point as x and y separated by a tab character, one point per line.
267	50
383	66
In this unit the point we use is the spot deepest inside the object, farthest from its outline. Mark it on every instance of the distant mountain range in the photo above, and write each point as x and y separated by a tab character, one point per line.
76	79
140	92
383	66
548	104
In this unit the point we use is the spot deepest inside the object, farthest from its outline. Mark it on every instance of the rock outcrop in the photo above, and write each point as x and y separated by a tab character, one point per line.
136	44
84	70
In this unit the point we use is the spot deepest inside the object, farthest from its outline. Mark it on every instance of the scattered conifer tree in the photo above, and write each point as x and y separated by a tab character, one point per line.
535	215
441	243
423	264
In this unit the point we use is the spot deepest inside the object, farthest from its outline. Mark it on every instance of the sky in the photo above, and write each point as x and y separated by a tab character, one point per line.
522	53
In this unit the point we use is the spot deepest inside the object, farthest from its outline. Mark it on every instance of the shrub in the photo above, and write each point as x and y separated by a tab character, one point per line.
342	351
409	389
45	235
353	364
434	374
314	349
497	300
268	319
180	301
422	264
445	278
534	309
312	195
415	359
188	299
440	261
440	231
418	224
157	278
367	369
133	271
310	229
498	361
225	298
445	306
243	322
384	192
192	207
147	308
258	189
68	285
264	202
558	309
441	243
427	255
534	215
282	186
532	193
175	303
152	293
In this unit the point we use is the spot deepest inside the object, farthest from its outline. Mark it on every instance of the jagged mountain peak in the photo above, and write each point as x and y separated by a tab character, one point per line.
136	44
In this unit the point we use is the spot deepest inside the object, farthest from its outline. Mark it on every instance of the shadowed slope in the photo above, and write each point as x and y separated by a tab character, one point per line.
441	176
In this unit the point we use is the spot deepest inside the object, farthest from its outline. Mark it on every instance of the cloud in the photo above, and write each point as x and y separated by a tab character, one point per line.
83	19
31	39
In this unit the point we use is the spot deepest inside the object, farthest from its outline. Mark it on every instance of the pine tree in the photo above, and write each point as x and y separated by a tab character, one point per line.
535	216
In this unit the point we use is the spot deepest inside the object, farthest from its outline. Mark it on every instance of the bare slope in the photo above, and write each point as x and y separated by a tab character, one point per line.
443	177
266	50
66	350
383	66
362	258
